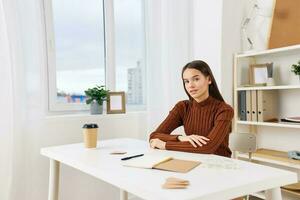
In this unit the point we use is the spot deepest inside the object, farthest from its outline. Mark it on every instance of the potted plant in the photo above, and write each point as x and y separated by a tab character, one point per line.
95	97
296	69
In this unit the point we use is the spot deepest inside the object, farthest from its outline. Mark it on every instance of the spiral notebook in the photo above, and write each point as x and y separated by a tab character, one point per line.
161	162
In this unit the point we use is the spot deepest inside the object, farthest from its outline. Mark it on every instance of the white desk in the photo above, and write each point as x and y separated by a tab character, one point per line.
213	179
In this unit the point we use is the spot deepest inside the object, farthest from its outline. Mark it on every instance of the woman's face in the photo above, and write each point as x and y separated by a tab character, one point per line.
196	84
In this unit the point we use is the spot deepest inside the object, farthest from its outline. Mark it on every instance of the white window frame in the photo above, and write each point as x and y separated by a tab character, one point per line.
109	59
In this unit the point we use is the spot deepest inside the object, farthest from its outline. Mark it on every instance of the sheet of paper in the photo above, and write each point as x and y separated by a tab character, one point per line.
115	102
261	75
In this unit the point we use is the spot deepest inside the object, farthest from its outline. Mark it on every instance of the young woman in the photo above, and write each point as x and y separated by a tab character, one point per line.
205	116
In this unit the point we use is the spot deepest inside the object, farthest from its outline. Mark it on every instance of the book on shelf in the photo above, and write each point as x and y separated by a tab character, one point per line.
291	119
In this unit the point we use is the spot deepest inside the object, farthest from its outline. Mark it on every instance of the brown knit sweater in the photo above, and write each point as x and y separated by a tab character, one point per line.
210	118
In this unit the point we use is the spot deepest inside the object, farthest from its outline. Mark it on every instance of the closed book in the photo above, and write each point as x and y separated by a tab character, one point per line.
267	106
248	105
242	105
253	106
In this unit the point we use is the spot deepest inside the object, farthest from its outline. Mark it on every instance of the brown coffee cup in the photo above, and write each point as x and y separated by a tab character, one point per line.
90	132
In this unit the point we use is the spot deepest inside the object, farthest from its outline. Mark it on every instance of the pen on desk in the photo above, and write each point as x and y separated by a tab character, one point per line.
127	158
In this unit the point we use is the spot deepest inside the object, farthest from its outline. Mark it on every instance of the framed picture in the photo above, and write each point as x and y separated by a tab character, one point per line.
116	102
258	74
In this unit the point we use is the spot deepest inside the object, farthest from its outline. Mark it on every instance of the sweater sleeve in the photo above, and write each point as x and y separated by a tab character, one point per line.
217	135
173	120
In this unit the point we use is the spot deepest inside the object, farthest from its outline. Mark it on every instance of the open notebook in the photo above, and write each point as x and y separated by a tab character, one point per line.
161	162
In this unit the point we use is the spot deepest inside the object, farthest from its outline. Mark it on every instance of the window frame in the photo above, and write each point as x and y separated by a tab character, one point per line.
109	58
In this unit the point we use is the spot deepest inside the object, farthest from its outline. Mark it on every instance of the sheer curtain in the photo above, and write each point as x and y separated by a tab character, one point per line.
11	104
168	50
6	107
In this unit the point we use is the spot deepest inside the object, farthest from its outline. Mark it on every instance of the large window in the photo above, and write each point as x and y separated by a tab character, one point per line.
92	43
129	36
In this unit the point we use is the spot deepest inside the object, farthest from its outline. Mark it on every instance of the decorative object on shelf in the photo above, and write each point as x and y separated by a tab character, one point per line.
255	26
270	81
259	74
244	28
294	155
95	97
296	69
116	102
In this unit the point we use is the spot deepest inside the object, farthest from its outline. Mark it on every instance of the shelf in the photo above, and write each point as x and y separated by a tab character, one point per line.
294	193
277	87
273	157
272	124
269	51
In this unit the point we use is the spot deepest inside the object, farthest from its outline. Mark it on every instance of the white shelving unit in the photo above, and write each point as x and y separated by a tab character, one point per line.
271	124
269	51
288	88
277	87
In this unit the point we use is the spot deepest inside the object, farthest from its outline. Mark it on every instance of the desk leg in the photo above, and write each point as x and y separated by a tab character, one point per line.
123	195
53	180
273	194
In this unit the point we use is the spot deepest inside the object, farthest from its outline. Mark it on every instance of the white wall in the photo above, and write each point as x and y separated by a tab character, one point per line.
232	15
216	37
207	34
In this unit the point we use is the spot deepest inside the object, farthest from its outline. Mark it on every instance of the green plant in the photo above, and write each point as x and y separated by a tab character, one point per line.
97	93
296	68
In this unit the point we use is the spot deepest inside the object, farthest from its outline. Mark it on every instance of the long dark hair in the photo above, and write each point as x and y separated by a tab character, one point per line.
206	71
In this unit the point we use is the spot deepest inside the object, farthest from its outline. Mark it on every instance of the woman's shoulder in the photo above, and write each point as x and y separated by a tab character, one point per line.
183	105
222	105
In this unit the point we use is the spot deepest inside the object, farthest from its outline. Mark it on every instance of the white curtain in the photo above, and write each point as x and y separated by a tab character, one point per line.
6	107
168	50
11	104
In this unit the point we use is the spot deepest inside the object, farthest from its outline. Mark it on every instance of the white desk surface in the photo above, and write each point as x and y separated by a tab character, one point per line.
216	178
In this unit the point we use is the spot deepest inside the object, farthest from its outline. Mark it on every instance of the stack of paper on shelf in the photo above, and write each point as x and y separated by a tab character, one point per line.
162	162
291	119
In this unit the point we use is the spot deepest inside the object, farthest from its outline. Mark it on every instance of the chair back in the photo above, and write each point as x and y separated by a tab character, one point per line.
242	142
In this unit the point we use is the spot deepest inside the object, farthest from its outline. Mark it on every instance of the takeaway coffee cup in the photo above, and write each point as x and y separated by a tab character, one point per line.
90	132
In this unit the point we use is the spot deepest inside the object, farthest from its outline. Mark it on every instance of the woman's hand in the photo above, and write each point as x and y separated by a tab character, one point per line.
157	143
194	140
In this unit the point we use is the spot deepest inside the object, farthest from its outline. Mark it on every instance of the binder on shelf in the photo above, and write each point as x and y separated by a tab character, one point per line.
267	106
253	105
248	105
242	105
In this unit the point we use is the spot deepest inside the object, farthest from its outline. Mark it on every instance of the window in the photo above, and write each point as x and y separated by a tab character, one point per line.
92	43
129	36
